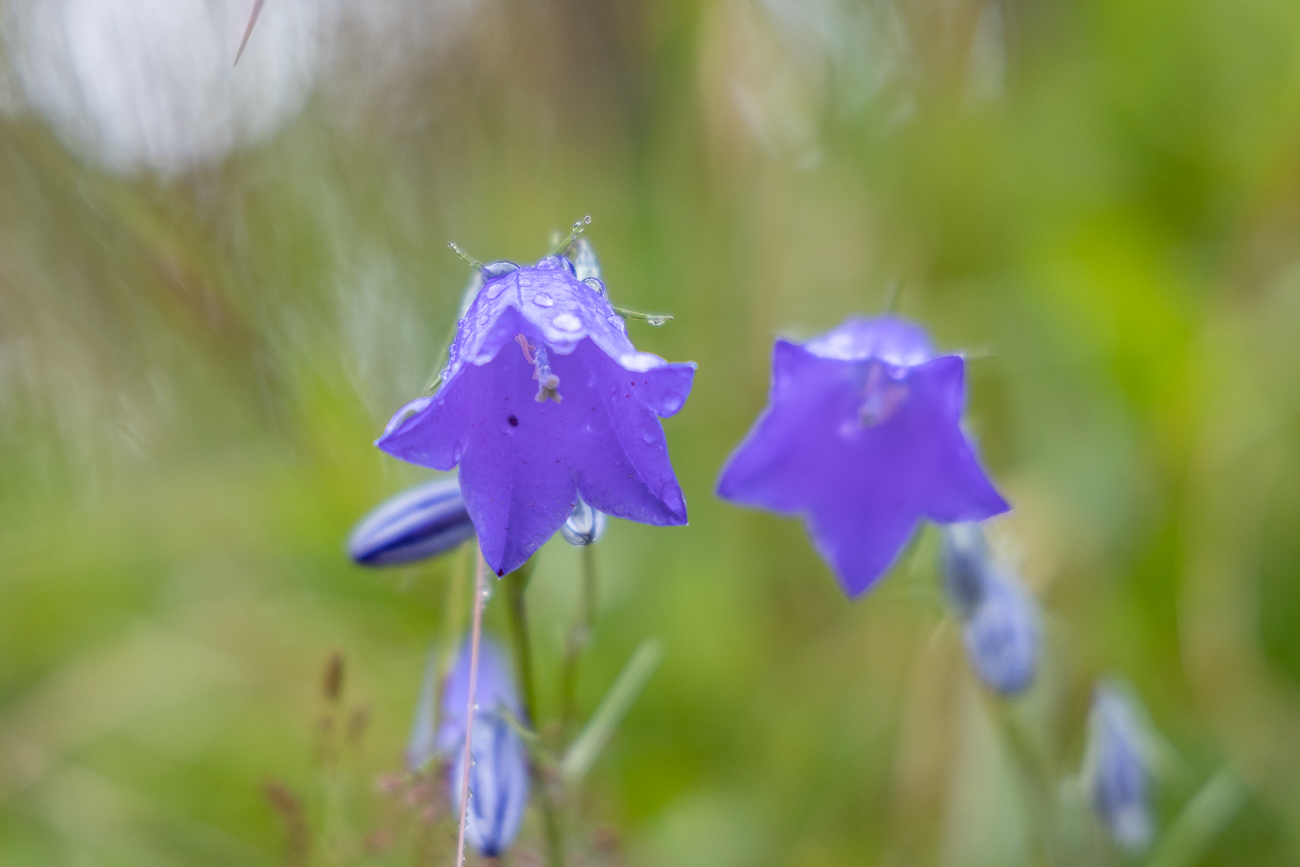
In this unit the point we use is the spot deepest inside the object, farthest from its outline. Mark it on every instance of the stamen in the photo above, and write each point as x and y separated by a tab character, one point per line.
548	384
528	349
882	397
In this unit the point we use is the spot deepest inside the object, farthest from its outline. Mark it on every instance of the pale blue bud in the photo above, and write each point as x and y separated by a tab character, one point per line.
999	620
1117	769
585	526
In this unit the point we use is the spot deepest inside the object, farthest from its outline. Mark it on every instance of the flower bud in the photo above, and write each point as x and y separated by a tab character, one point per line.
999	620
419	523
498	773
965	555
585	526
1117	770
498	784
1001	636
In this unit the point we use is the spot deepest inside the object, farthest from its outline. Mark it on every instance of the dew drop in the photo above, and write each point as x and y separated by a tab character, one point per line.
495	289
483	320
617	322
542	299
524	281
568	322
656	321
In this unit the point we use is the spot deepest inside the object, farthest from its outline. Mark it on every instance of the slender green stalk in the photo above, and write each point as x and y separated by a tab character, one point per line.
516	583
1036	772
1206	815
579	638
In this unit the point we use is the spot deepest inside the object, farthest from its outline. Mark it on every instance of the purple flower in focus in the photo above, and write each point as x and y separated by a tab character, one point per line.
862	437
544	399
420	522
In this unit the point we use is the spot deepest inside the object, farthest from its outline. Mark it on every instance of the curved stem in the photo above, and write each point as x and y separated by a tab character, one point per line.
469	704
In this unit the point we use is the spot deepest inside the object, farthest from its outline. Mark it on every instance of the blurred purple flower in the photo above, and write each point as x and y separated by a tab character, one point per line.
861	436
1117	768
421	522
544	398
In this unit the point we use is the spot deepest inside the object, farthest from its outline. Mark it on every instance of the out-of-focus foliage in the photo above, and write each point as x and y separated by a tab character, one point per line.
217	282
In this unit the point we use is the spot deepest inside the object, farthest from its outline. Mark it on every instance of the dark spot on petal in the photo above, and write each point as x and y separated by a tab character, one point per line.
514	422
500	572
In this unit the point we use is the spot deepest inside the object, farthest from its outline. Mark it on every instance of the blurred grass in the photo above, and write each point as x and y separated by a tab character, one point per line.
192	369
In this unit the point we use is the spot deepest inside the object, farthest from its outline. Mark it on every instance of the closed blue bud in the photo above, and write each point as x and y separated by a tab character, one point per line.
999	620
419	523
965	558
1001	636
498	773
498	784
1117	770
585	526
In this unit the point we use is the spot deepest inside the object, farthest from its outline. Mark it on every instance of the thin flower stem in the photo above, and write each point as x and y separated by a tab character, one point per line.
1036	772
579	638
477	634
516	584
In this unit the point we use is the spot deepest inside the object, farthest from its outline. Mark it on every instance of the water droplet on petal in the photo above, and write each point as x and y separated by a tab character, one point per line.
568	322
617	321
541	299
483	320
495	289
524	281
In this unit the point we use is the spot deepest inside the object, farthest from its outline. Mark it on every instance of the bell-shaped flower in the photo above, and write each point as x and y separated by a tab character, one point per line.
862	438
999	620
421	522
498	774
544	399
1117	768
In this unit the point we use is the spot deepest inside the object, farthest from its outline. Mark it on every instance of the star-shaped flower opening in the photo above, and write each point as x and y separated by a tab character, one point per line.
545	398
862	438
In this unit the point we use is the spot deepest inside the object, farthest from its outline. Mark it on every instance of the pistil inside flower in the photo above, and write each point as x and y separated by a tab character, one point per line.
883	395
548	384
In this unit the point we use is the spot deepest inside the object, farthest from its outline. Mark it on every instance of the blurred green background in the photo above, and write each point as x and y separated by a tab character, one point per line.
217	283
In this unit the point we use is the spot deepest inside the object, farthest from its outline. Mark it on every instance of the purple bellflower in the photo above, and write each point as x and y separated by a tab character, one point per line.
1117	769
861	436
999	620
544	399
421	522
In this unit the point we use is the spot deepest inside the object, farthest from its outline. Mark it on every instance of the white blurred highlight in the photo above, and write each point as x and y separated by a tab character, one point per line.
151	84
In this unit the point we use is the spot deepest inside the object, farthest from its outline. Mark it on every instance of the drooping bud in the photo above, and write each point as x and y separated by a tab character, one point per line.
1001	636
498	774
585	263
1117	769
421	522
585	526
498	784
999	620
